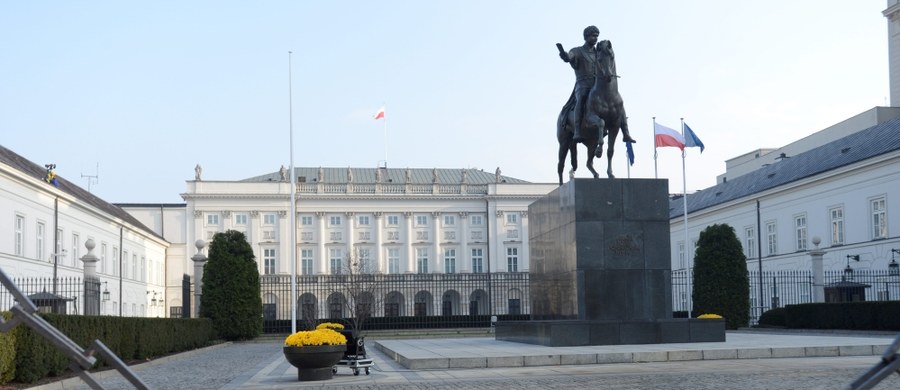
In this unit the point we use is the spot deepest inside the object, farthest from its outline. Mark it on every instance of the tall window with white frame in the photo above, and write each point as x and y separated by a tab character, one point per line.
449	261
39	242
306	262
422	260
212	219
449	220
104	265
750	241
837	226
334	220
115	261
20	235
362	220
681	261
393	260
477	260
269	267
336	257
269	219
512	218
800	231
421	220
512	259
771	238
76	249
879	218
364	261
306	220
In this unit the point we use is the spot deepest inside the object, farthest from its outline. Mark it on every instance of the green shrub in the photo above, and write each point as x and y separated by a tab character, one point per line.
230	296
774	317
721	283
7	352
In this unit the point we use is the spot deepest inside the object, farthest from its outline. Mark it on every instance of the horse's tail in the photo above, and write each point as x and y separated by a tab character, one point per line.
564	114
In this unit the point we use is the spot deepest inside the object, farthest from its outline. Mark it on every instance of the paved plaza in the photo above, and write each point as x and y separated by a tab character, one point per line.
746	360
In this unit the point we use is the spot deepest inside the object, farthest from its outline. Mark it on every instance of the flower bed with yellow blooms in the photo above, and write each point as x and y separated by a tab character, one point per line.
325	334
709	316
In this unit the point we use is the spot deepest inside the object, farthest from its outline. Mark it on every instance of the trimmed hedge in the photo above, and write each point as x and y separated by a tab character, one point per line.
7	352
774	317
875	315
130	338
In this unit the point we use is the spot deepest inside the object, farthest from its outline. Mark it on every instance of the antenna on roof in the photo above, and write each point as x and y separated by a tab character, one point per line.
93	179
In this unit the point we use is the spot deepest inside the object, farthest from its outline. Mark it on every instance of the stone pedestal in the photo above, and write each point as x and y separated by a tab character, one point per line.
600	270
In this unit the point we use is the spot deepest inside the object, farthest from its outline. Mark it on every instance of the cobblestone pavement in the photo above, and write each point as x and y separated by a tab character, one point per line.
260	365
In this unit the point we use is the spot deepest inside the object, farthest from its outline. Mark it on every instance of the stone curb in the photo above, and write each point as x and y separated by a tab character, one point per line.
533	360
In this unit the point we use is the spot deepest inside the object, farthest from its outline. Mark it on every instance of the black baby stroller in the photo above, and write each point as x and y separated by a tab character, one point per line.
355	357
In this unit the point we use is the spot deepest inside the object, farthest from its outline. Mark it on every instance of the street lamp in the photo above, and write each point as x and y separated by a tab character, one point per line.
105	293
848	272
894	267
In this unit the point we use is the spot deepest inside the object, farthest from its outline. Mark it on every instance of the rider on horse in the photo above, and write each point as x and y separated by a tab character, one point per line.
584	61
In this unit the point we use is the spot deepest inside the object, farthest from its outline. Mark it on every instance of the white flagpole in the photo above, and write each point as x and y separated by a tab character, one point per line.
293	249
684	201
385	135
655	168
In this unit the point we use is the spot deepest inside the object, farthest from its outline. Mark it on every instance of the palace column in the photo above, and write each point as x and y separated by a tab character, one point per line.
322	267
408	239
436	243
349	240
379	241
465	264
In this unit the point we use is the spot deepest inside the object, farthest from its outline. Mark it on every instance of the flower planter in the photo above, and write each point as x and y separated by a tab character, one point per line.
314	362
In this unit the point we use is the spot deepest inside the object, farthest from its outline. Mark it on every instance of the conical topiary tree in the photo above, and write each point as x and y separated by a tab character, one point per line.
721	284
231	297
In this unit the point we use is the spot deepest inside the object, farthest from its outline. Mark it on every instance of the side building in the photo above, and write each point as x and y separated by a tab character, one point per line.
844	191
44	237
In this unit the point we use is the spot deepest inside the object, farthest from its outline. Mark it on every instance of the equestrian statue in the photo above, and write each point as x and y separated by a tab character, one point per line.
595	109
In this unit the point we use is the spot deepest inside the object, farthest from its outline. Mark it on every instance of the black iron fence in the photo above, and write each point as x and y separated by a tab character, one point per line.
67	295
396	301
789	287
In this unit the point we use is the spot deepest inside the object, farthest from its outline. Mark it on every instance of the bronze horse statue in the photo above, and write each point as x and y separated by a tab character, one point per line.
604	112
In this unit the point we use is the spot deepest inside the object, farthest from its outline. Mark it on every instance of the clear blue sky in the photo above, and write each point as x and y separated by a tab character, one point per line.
150	89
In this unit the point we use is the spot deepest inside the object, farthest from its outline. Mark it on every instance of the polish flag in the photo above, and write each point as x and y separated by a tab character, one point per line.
667	137
379	114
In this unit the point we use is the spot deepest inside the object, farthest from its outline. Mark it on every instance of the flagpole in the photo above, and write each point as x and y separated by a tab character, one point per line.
684	201
655	168
293	219
385	136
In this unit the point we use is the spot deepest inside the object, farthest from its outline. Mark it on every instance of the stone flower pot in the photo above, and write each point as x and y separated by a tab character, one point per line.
314	362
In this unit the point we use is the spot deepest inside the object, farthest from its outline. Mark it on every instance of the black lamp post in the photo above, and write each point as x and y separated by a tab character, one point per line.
848	272
105	292
894	267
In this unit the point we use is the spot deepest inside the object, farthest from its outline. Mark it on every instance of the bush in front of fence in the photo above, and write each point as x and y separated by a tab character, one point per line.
7	352
875	315
130	338
773	318
721	283
409	322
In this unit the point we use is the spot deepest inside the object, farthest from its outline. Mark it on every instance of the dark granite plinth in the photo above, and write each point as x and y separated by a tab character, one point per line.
574	332
600	268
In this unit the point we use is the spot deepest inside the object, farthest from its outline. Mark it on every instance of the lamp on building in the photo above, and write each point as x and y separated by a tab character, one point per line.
894	267
848	272
105	292
152	300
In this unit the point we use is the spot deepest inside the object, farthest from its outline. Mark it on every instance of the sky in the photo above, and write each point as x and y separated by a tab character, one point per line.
138	93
